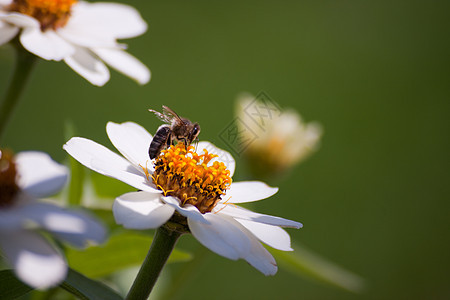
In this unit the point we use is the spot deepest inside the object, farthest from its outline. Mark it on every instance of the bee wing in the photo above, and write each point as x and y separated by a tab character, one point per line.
162	117
168	112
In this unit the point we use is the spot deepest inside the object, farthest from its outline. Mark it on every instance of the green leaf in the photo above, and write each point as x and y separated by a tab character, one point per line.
11	287
121	251
305	263
85	288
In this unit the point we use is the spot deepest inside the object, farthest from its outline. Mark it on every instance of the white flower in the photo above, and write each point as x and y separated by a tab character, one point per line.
23	178
223	227
82	34
276	138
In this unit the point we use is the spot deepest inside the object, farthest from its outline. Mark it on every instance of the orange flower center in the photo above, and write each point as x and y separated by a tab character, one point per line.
52	14
191	177
8	176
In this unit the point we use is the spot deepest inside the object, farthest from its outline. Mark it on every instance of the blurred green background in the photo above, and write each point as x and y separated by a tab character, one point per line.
375	74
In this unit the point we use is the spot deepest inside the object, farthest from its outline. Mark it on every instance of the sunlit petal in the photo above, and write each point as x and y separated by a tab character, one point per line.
19	20
245	214
132	141
107	20
85	63
189	211
273	236
7	32
47	45
249	191
102	160
124	63
141	210
230	239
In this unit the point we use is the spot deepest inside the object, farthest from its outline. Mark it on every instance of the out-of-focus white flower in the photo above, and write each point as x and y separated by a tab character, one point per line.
24	178
196	188
274	139
82	34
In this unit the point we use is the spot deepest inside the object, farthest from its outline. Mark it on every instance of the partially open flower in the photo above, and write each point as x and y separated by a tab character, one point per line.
82	34
24	178
274	139
191	187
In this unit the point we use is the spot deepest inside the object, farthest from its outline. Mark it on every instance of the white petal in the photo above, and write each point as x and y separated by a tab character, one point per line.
114	20
219	236
19	20
35	262
223	155
11	218
273	236
85	30
102	160
47	45
5	2
261	259
132	141
86	38
141	210
76	228
230	239
7	32
39	175
124	63
249	191
88	66
245	214
189	211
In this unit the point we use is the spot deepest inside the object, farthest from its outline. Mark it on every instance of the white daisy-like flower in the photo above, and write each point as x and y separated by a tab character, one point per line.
82	34
24	178
181	182
274	138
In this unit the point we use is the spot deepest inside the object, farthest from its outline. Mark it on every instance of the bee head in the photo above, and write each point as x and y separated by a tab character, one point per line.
195	131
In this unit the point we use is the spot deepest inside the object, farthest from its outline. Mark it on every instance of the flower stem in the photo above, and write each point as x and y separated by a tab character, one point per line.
24	65
163	244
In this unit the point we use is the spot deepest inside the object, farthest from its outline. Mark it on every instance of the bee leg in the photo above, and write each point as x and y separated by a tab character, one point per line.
184	141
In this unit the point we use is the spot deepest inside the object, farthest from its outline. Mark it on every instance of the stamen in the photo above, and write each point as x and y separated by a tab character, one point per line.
52	14
147	174
8	176
184	174
224	205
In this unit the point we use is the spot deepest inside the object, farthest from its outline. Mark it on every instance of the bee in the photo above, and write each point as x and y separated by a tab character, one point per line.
178	128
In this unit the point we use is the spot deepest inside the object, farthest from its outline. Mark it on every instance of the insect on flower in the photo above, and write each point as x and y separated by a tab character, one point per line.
180	129
193	186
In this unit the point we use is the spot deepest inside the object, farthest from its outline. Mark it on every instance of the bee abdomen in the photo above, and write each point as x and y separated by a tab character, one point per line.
159	141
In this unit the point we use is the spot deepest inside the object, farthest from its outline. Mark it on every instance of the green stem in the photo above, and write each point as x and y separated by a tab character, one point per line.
163	244
24	65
